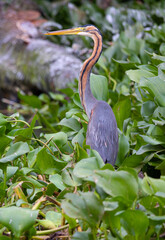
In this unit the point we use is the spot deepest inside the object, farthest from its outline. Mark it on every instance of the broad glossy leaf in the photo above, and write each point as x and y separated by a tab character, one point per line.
147	108
152	185
99	87
59	138
18	220
82	236
79	138
135	223
76	100
70	179
122	111
15	151
31	100
156	86
86	206
148	148
153	140
87	166
71	123
135	75
55	217
4	142
133	161
123	149
53	220
10	172
56	179
118	183
47	163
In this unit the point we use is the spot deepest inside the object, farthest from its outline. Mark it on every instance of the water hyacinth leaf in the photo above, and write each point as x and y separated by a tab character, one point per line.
148	148
132	161
99	87
47	224
122	111
56	179
147	108
152	140
4	142
79	138
123	149
157	219
82	236
5	238
15	151
17	219
152	185
156	86
135	223
80	152
31	100
118	183
70	179
85	206
76	100
47	163
71	123
53	220
87	166
59	138
135	75
55	217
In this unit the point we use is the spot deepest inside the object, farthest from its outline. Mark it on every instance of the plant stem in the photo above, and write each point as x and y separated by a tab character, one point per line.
52	230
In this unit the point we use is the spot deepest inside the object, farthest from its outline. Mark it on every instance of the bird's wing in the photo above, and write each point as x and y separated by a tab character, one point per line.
103	137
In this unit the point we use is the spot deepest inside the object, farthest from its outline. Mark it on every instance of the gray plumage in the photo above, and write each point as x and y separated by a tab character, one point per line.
102	134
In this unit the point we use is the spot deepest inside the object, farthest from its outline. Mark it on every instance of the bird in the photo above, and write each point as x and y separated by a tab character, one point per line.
102	132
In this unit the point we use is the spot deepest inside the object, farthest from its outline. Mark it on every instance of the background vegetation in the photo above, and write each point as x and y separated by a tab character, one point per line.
49	185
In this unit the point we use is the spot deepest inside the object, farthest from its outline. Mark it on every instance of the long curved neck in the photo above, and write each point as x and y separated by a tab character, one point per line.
87	99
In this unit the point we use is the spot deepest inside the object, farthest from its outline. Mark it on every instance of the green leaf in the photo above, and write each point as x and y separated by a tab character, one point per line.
47	163
135	75
122	111
76	100
70	179
99	87
18	220
59	138
156	86
133	161
123	149
31	100
53	220
56	179
135	222
15	151
84	206
118	183
82	236
71	123
147	108
10	172
152	140
55	217
87	166
152	185
4	142
79	138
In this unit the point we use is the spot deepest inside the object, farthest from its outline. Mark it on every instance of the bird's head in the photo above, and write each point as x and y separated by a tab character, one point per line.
86	30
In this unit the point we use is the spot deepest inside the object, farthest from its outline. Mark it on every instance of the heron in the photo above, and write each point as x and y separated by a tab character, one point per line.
102	133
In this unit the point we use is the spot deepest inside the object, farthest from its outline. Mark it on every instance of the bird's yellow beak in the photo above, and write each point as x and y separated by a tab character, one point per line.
66	31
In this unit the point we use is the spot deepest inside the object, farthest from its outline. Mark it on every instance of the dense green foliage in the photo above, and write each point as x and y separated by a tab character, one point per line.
47	178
